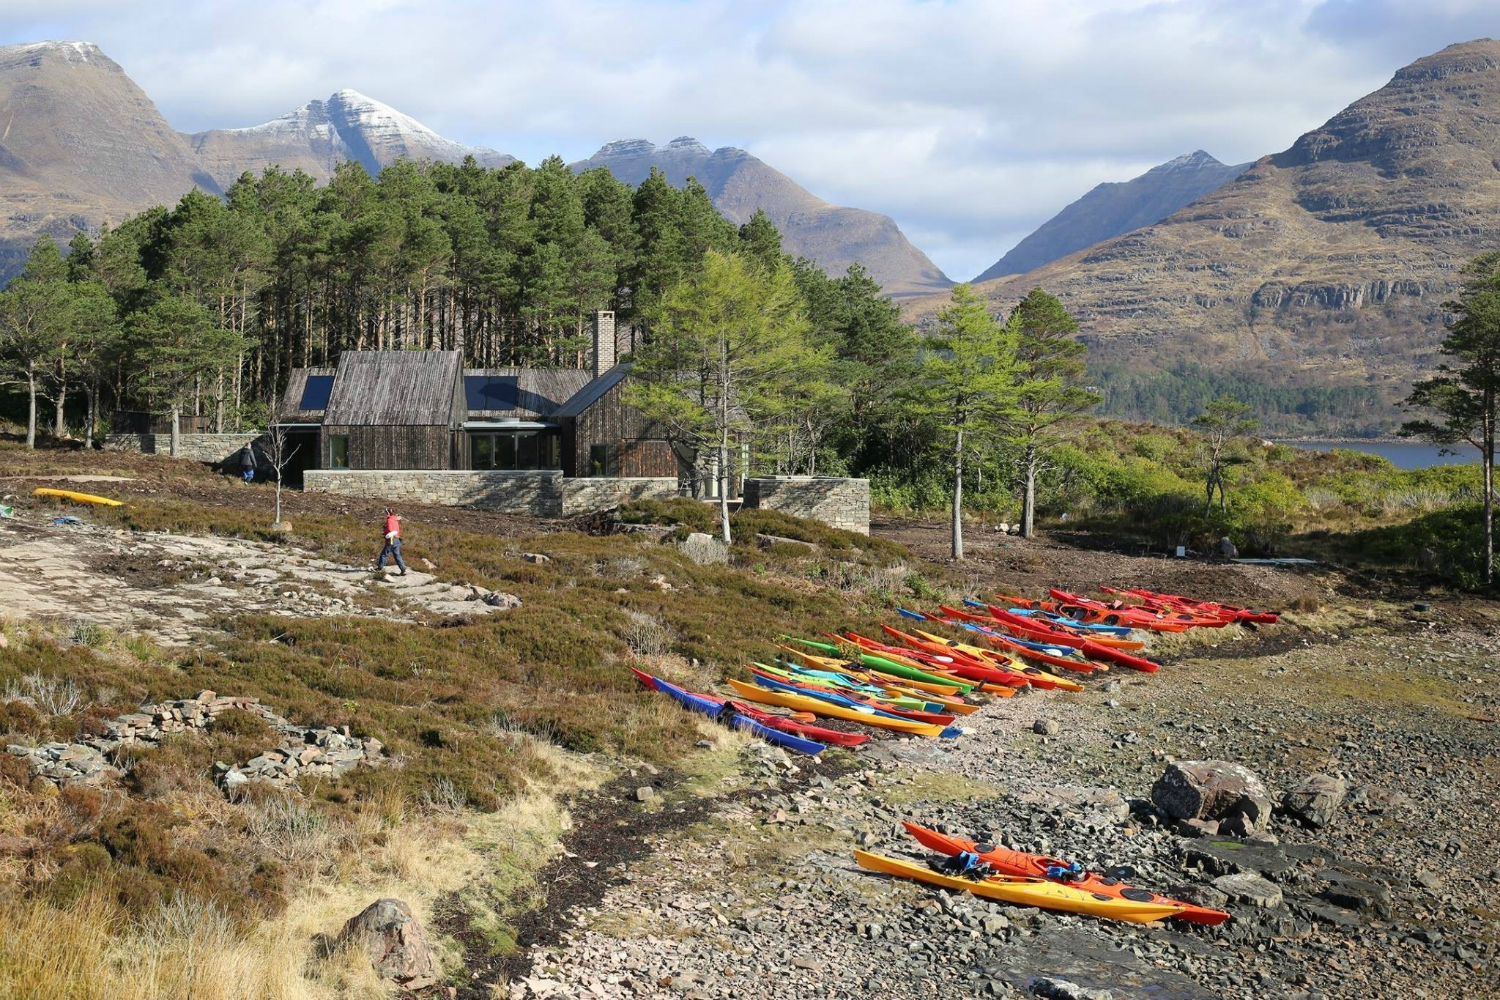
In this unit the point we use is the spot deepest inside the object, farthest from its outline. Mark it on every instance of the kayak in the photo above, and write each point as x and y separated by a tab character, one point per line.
1083	628
1088	647
882	664
1117	613
964	665
868	716
76	497
934	663
712	707
822	734
1010	862
1039	678
1024	891
842	683
829	695
1201	607
1052	654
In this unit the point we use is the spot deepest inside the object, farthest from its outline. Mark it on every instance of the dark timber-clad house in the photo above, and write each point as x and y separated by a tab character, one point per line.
408	411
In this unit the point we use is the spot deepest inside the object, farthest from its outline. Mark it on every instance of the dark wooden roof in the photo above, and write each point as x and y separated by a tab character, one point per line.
590	394
396	388
540	391
291	411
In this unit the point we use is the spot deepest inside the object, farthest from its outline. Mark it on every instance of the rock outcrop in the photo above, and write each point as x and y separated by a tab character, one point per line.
395	942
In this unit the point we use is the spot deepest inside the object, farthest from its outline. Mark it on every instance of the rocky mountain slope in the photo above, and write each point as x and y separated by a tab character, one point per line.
1113	209
739	183
1326	263
80	145
319	135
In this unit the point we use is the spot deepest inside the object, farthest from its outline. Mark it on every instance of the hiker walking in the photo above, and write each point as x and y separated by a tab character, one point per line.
392	542
247	463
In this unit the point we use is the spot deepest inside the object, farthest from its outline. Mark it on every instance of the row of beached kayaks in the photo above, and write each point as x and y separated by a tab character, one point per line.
921	679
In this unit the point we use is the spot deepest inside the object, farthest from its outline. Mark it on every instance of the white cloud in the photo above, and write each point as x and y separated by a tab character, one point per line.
970	122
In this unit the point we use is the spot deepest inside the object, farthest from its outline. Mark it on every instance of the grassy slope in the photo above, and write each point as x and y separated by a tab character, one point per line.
483	721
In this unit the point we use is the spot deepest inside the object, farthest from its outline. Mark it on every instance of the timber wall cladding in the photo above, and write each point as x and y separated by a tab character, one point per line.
394	447
841	503
540	494
610	421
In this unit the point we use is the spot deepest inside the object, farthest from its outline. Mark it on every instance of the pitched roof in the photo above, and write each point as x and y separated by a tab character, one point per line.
291	410
590	393
539	391
383	388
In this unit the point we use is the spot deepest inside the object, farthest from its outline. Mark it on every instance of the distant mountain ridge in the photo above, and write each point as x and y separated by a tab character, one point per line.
82	146
1113	209
1326	264
739	183
319	135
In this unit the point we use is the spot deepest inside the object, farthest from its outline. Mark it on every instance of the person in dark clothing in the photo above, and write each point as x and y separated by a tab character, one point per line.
392	542
247	463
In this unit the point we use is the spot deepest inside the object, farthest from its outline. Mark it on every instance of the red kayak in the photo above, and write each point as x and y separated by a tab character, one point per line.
1030	628
1129	614
916	715
1188	604
963	664
1019	863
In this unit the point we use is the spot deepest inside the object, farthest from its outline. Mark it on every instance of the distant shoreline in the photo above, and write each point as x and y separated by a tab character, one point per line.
1368	440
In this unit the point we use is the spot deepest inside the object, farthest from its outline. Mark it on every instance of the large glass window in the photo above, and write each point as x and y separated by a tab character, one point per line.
516	450
604	460
338	451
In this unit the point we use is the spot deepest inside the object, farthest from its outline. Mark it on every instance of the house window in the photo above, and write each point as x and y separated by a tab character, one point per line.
522	450
604	460
338	451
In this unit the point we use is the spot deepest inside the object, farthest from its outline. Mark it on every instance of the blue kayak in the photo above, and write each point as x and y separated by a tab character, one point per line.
1072	623
713	706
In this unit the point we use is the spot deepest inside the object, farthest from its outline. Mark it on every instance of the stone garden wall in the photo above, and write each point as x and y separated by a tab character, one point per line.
211	448
539	494
840	503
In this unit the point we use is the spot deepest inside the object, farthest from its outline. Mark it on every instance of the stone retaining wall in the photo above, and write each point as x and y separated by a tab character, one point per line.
539	493
840	503
211	448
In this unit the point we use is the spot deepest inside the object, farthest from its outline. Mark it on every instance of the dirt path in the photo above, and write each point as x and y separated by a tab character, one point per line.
175	586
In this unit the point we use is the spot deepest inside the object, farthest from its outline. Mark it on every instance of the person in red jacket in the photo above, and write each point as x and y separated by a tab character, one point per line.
392	542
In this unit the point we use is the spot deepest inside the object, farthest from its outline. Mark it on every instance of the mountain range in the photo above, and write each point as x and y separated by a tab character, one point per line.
1113	209
1325	264
810	227
81	145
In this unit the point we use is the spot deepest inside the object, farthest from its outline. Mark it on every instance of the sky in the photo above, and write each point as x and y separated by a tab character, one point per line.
969	122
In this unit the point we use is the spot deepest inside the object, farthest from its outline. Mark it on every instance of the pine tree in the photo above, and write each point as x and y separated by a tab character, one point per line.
36	320
177	342
1050	371
1463	396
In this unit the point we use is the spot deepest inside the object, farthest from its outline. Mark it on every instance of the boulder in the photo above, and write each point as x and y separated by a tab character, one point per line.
536	557
767	541
645	793
1211	789
1062	989
1227	548
392	937
1315	799
704	549
1355	893
1046	727
1247	887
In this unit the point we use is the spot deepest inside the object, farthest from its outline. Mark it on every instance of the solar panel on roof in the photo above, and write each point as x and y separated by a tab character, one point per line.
490	392
315	392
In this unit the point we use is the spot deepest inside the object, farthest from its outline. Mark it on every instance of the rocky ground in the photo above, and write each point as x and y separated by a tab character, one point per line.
175	586
1390	897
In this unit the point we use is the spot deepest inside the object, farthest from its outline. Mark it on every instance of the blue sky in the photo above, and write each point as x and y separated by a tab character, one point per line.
968	122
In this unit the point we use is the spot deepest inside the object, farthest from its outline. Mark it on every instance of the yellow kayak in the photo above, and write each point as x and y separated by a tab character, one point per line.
1003	662
802	703
76	497
1025	891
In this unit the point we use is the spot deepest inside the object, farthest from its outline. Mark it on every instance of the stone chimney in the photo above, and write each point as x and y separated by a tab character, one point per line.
604	341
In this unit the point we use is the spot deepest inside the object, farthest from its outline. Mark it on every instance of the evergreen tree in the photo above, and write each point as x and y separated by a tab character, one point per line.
36	320
177	342
1221	420
1050	392
1463	395
968	380
726	342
